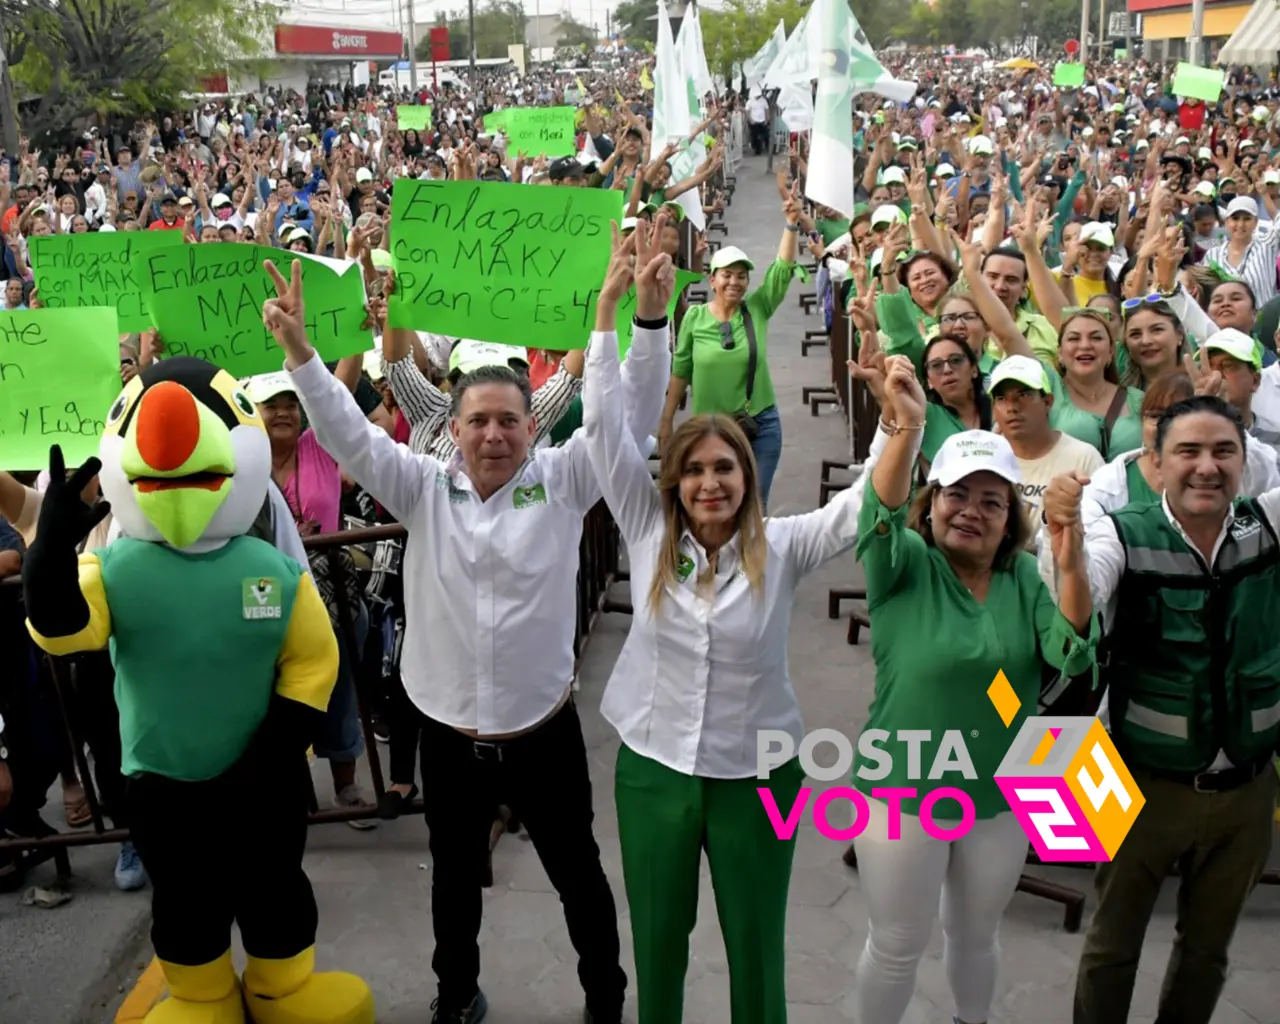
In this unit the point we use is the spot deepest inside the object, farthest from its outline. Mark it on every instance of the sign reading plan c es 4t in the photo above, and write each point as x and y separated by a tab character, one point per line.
517	264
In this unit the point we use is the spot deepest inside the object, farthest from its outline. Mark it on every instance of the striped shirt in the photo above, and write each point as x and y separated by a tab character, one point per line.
1257	267
426	407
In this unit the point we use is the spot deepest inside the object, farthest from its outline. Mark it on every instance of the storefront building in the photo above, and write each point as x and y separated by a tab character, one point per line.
1166	26
299	53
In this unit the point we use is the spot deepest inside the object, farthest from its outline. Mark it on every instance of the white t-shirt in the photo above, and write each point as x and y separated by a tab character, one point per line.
1068	455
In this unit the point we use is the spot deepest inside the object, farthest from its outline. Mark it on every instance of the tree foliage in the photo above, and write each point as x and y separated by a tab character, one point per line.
498	25
989	24
631	22
79	62
736	32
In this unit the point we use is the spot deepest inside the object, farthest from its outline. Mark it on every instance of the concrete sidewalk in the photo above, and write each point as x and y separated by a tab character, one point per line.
64	966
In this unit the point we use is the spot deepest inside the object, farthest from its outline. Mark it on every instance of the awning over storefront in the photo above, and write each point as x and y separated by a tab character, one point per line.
1219	20
323	42
1257	40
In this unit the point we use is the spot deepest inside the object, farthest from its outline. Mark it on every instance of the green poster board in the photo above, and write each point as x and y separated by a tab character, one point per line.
547	131
96	269
418	116
627	308
517	264
1198	83
1068	75
59	374
206	301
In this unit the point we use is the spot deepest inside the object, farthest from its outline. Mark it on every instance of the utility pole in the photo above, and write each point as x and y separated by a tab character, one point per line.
537	30
1102	28
1084	33
471	32
413	51
1196	50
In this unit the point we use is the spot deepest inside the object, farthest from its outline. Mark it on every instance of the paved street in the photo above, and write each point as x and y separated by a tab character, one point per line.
70	965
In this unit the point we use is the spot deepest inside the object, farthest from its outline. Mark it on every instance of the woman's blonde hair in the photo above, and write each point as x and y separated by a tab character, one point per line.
749	520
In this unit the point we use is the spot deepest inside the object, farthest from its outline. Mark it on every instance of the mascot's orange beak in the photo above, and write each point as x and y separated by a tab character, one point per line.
168	427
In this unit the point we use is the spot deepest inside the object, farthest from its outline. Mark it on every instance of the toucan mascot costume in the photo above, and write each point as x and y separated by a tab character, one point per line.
225	659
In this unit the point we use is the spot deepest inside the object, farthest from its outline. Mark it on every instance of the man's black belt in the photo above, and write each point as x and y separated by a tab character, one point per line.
1216	782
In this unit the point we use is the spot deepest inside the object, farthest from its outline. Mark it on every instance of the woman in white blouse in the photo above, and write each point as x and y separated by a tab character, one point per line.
703	669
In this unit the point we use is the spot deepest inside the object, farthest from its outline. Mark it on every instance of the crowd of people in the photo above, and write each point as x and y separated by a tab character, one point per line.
1064	302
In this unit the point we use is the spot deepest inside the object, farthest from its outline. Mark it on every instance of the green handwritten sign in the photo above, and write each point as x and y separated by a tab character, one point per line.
1198	83
518	264
206	301
417	117
627	308
539	130
96	269
1068	75
59	374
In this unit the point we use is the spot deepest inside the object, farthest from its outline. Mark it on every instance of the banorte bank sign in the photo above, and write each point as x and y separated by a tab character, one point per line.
320	41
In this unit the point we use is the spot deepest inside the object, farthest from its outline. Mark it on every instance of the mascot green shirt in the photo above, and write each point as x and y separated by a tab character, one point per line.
225	660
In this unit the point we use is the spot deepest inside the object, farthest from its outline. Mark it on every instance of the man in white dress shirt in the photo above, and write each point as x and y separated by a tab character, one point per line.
490	595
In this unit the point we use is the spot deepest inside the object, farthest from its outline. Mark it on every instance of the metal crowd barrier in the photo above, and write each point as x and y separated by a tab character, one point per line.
597	571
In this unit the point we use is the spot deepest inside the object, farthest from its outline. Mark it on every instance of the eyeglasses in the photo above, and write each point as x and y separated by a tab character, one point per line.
1160	302
957	498
955	362
960	318
1102	311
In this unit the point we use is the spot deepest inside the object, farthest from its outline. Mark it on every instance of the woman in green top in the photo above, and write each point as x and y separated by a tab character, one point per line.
1154	341
1089	403
714	348
955	601
912	296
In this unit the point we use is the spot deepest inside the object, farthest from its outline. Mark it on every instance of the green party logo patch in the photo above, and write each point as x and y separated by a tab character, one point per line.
527	497
684	567
261	598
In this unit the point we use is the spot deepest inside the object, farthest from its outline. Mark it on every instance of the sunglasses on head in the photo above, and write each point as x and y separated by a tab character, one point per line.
1102	311
1157	301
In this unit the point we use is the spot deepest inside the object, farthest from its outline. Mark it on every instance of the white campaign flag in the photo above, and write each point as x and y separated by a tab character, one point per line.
867	73
701	73
830	178
670	105
755	69
685	163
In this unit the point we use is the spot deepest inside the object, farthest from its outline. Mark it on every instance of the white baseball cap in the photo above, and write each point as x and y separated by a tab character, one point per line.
1237	344
220	199
944	170
887	214
893	176
265	386
981	146
1206	188
1242	204
469	355
974	451
1097	231
1271	177
364	174
1024	370
728	256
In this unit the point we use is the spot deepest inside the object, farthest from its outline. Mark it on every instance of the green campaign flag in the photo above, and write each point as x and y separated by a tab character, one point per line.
59	374
517	264
417	116
1068	74
495	121
206	301
1198	83
1122	54
538	130
627	308
96	269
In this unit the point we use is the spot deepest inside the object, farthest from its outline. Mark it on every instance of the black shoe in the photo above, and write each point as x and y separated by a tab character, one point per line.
381	730
393	804
472	1013
587	1018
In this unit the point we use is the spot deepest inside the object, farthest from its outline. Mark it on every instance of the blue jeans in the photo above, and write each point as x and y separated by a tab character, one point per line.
341	738
767	448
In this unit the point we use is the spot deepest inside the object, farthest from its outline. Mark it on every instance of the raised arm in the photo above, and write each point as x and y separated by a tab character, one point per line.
619	467
391	473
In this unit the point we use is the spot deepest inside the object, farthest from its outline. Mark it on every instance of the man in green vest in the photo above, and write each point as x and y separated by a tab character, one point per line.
1191	592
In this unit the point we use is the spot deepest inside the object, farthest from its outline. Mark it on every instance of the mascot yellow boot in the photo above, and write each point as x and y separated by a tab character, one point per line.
225	660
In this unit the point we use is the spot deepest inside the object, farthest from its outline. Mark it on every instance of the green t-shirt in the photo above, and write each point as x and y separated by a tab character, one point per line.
939	424
937	650
830	230
1086	426
900	321
568	423
1140	492
195	670
718	375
